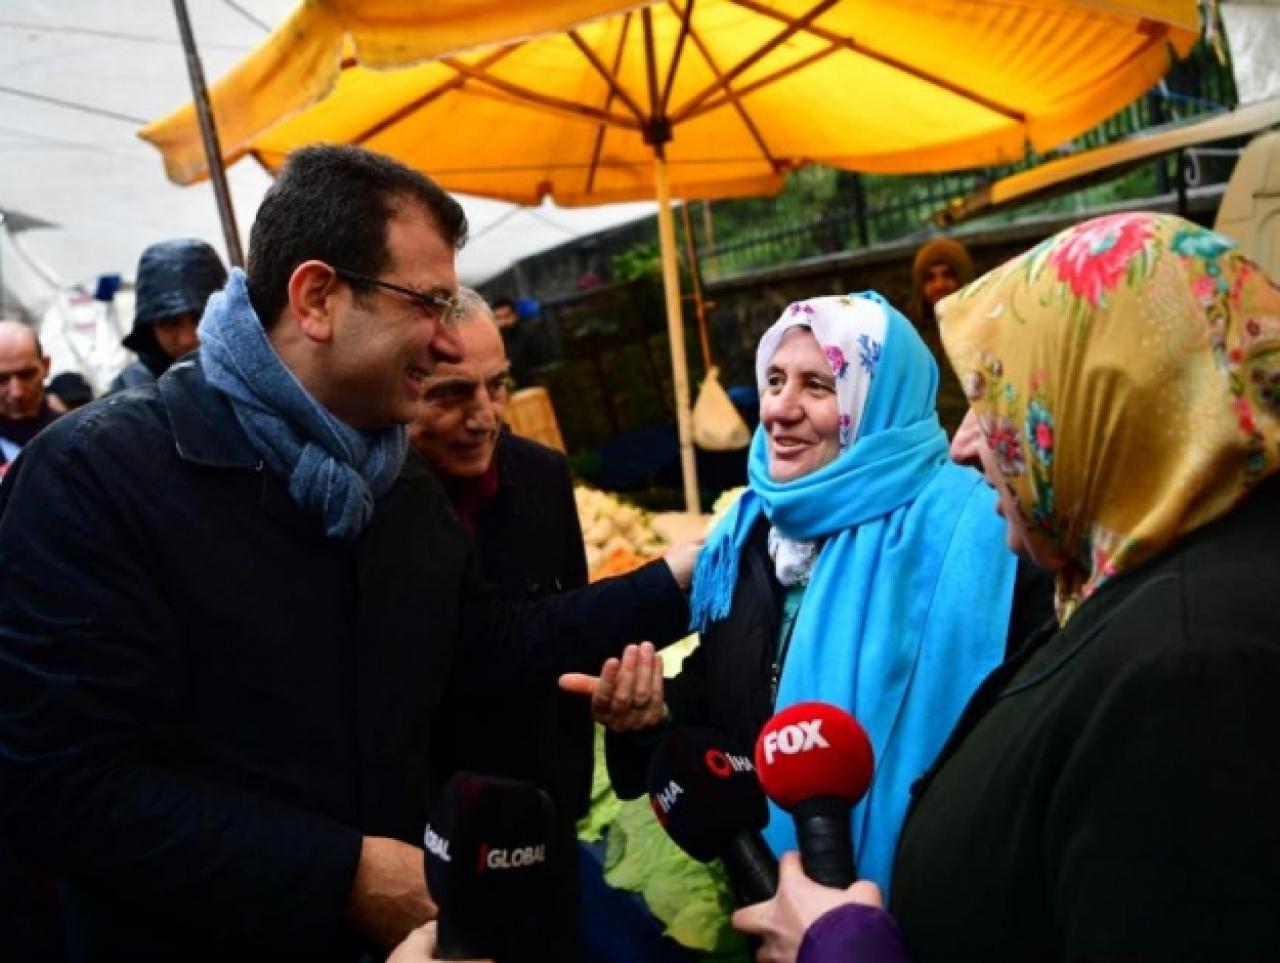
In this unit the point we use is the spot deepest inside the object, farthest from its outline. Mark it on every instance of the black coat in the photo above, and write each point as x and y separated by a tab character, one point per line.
1112	792
530	544
206	703
725	683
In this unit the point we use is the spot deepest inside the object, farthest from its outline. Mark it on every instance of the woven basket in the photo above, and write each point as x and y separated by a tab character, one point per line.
531	415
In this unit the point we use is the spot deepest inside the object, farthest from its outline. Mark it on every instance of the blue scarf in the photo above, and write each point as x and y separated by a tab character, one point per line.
908	603
332	470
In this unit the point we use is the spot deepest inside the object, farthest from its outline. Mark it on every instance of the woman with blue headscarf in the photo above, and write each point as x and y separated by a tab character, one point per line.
860	568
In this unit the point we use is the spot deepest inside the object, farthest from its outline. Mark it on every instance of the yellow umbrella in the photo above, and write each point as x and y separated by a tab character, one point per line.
692	98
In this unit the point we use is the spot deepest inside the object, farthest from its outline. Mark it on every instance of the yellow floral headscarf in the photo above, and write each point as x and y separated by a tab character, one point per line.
1126	373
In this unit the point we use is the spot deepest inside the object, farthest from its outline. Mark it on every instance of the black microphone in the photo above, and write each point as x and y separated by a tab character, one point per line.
488	856
704	792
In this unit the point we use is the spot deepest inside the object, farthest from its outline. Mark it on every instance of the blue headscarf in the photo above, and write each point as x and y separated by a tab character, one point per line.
908	602
332	470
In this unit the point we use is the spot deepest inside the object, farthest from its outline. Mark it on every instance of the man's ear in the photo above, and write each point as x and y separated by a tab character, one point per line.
45	364
312	288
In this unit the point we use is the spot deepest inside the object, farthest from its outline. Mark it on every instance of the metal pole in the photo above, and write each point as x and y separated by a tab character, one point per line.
2	291
209	134
709	239
695	281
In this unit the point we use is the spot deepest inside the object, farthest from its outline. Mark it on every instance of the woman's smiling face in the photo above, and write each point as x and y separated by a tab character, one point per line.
798	408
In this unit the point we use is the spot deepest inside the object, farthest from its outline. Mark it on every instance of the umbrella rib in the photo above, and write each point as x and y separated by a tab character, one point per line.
609	76
774	77
601	129
670	83
792	28
733	98
854	47
534	98
433	94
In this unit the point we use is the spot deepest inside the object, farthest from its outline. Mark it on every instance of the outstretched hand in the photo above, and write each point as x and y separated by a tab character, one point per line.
627	694
781	922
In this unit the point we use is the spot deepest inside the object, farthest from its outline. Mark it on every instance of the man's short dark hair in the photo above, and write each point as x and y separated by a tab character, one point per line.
333	204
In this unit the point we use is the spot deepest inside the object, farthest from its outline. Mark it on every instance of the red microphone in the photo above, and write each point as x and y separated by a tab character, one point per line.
816	762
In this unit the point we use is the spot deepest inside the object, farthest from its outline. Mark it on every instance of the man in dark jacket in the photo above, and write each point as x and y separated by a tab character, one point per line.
516	497
229	603
175	280
24	406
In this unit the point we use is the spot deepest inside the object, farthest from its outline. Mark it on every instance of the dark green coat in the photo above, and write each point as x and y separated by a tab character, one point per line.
1114	791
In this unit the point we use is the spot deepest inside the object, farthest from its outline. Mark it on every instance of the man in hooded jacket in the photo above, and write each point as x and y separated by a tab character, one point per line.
175	279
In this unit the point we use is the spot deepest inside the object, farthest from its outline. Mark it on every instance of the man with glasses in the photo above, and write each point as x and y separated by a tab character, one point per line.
24	408
229	603
516	497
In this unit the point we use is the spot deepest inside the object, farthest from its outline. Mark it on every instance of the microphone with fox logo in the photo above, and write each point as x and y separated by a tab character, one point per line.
816	762
705	794
488	849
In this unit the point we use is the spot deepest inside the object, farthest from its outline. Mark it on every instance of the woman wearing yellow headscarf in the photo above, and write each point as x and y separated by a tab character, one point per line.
1113	791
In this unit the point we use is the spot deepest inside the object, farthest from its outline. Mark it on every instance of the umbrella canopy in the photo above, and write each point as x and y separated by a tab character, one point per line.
747	89
692	98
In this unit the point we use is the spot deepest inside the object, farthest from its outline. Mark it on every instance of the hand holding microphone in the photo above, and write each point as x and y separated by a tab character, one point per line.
420	947
816	763
488	849
705	794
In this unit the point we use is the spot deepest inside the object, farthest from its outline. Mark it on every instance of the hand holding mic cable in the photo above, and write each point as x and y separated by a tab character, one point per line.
488	850
705	794
816	762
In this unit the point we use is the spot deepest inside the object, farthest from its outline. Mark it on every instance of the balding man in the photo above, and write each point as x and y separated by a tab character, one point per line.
24	409
516	498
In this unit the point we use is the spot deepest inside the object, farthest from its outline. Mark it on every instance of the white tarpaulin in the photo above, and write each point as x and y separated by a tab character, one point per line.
1253	34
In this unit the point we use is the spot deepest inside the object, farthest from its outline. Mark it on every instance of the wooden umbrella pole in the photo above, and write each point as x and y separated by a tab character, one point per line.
675	330
209	134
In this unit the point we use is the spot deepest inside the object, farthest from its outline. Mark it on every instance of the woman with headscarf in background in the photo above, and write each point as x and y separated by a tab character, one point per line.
861	568
1111	792
941	267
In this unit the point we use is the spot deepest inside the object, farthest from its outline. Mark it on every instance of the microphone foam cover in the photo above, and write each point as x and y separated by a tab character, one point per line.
704	791
811	750
488	847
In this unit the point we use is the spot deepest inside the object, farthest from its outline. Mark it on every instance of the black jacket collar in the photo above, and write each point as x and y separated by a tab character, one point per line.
205	429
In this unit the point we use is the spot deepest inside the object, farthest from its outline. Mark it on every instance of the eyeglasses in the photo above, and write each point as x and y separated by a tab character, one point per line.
433	306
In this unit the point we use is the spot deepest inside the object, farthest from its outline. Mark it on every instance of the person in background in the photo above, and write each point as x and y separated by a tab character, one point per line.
516	498
24	404
941	267
69	390
229	602
1110	792
525	336
175	280
860	568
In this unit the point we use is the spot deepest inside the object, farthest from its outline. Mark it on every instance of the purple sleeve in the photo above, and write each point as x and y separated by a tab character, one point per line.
853	933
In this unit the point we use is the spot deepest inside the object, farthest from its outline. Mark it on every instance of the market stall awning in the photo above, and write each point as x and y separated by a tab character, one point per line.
1079	170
